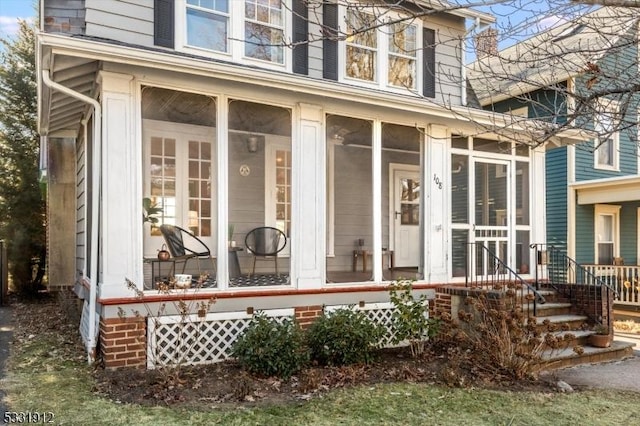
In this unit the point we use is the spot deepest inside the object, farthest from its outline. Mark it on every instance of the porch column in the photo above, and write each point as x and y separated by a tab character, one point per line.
436	215
308	245
121	189
538	193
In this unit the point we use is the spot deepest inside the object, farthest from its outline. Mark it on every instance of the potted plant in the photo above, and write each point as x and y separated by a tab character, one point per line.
151	209
601	337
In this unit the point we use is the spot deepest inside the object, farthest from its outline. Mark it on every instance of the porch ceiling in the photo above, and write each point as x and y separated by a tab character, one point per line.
61	112
615	190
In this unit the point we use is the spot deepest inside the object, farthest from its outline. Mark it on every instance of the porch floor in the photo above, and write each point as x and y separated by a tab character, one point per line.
333	277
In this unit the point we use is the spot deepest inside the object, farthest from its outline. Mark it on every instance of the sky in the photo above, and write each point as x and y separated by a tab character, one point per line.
10	11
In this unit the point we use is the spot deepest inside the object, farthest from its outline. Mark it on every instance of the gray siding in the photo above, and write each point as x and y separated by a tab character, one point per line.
556	183
127	21
63	16
449	31
81	237
315	40
353	200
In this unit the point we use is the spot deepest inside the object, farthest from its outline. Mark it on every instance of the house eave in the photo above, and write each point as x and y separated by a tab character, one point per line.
54	45
608	190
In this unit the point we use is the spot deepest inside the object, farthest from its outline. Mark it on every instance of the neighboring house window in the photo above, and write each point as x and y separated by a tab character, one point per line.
607	143
607	233
383	55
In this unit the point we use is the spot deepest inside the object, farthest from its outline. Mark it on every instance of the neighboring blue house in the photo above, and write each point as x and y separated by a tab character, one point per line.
577	73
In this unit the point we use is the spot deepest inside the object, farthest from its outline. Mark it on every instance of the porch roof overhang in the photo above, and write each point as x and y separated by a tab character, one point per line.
610	190
75	62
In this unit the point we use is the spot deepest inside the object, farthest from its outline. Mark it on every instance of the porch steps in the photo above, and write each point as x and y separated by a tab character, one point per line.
557	311
555	359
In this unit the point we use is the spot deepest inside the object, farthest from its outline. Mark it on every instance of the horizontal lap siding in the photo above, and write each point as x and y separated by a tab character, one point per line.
621	63
315	33
80	207
127	21
449	32
585	249
353	200
556	175
629	232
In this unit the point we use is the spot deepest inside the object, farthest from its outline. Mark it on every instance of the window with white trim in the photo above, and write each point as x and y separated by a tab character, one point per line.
245	30
385	56
607	233
264	30
607	143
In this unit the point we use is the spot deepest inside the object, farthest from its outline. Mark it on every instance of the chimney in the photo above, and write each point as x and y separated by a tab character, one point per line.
486	43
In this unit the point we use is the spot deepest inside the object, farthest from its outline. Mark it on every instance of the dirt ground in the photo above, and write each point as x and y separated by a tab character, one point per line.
227	384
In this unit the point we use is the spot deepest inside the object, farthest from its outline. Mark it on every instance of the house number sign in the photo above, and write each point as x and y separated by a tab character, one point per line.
245	170
437	180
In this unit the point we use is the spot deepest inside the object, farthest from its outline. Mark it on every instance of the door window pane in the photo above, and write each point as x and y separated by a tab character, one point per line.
459	189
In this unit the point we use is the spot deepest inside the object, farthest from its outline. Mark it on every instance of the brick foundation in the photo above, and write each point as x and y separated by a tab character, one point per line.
306	315
123	342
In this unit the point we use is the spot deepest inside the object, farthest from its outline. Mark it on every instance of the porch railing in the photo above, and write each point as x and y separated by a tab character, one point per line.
487	271
557	270
625	280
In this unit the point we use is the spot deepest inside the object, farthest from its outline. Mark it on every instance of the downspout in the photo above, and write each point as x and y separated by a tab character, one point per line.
95	200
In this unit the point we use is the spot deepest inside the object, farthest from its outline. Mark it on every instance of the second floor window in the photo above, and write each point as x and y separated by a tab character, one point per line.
385	55
241	29
208	24
264	30
605	125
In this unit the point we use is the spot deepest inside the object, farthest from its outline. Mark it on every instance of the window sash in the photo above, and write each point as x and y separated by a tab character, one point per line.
208	28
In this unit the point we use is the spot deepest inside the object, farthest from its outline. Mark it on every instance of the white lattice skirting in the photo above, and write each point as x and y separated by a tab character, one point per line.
191	340
378	313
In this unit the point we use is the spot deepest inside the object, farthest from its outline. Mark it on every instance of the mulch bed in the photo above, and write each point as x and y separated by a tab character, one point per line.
227	384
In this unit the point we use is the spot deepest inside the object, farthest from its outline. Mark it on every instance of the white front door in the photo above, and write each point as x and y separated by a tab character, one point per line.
406	215
179	176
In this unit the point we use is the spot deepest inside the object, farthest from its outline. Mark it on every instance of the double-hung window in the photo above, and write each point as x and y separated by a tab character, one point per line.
264	30
241	30
208	24
607	233
381	51
607	142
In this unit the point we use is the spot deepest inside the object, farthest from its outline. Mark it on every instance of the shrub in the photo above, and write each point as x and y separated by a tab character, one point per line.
343	337
495	337
410	318
271	348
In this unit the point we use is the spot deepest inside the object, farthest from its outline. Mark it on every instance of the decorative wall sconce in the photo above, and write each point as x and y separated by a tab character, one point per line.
252	144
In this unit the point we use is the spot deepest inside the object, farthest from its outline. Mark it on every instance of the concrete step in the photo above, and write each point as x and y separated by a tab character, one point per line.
550	309
573	322
580	337
554	359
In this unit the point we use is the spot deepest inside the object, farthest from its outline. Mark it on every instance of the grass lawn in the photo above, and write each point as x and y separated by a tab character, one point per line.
47	373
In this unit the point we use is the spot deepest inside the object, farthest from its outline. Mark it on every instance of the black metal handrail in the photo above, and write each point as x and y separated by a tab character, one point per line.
487	271
555	269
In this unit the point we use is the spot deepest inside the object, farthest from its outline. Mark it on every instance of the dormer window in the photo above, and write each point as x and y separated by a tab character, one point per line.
378	54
